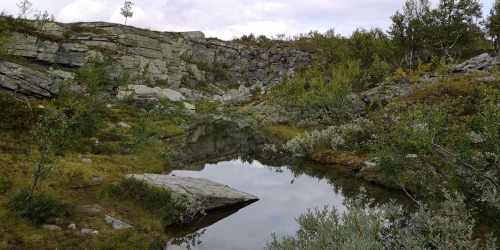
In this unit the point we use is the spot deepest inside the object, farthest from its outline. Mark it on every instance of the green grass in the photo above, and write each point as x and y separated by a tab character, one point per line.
115	152
282	132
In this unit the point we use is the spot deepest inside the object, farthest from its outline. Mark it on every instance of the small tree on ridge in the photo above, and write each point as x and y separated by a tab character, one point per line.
127	10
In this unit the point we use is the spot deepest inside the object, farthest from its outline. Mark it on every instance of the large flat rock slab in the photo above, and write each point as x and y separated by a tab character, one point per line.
212	195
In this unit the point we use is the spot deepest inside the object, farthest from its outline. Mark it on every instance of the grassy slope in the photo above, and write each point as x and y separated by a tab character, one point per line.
120	151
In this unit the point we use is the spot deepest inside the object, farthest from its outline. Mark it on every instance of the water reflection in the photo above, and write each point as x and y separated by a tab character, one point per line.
220	140
281	201
230	154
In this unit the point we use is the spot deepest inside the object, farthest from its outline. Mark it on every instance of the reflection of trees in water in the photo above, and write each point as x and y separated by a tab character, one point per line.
342	180
190	240
225	140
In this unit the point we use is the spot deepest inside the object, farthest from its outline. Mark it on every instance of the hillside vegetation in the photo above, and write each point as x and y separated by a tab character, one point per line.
391	106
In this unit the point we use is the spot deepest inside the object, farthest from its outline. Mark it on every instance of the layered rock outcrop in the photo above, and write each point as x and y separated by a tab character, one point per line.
483	62
174	59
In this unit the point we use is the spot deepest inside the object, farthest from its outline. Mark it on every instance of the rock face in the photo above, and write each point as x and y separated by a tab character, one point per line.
27	81
483	62
177	59
212	195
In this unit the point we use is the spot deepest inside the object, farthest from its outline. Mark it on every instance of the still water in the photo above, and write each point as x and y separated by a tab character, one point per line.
287	187
283	197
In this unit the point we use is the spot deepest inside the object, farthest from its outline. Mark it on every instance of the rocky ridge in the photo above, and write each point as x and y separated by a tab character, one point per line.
174	59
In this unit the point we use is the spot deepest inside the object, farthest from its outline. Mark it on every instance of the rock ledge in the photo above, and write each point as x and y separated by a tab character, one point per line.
212	195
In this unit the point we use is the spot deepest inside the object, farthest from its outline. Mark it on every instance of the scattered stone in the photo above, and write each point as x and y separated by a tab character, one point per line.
51	227
89	231
210	194
484	79
87	160
41	106
169	94
370	164
189	107
109	106
124	125
96	178
72	226
117	224
411	156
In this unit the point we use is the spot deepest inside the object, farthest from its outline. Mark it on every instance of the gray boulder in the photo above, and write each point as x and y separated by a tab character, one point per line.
147	94
385	92
116	223
483	62
51	227
210	194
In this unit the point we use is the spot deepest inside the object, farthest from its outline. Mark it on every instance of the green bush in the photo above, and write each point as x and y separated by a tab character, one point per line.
5	35
17	112
96	74
458	154
40	209
313	98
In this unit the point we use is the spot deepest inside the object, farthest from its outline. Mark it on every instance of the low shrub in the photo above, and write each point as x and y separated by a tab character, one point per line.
318	98
17	112
40	209
350	136
368	226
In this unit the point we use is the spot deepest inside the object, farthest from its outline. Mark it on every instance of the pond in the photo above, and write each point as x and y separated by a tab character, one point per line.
287	187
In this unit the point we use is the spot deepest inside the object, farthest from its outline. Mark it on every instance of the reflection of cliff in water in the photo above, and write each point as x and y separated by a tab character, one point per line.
221	140
225	140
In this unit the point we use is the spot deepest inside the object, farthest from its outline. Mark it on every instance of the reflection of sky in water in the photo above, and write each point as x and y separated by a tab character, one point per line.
280	203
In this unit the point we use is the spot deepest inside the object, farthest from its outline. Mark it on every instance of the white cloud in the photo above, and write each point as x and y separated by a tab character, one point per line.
86	11
228	18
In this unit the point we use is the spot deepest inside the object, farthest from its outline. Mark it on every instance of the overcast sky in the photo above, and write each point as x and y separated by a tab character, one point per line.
226	19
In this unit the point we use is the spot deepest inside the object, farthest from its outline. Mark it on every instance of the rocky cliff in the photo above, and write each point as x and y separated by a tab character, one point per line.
175	60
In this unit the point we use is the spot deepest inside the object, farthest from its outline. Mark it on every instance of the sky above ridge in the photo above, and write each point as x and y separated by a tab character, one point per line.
226	19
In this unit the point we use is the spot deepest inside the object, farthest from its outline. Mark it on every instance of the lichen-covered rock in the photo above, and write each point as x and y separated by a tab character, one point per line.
385	92
210	194
483	62
147	94
25	80
181	59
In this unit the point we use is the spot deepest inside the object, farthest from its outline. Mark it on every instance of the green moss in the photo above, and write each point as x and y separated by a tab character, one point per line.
282	132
